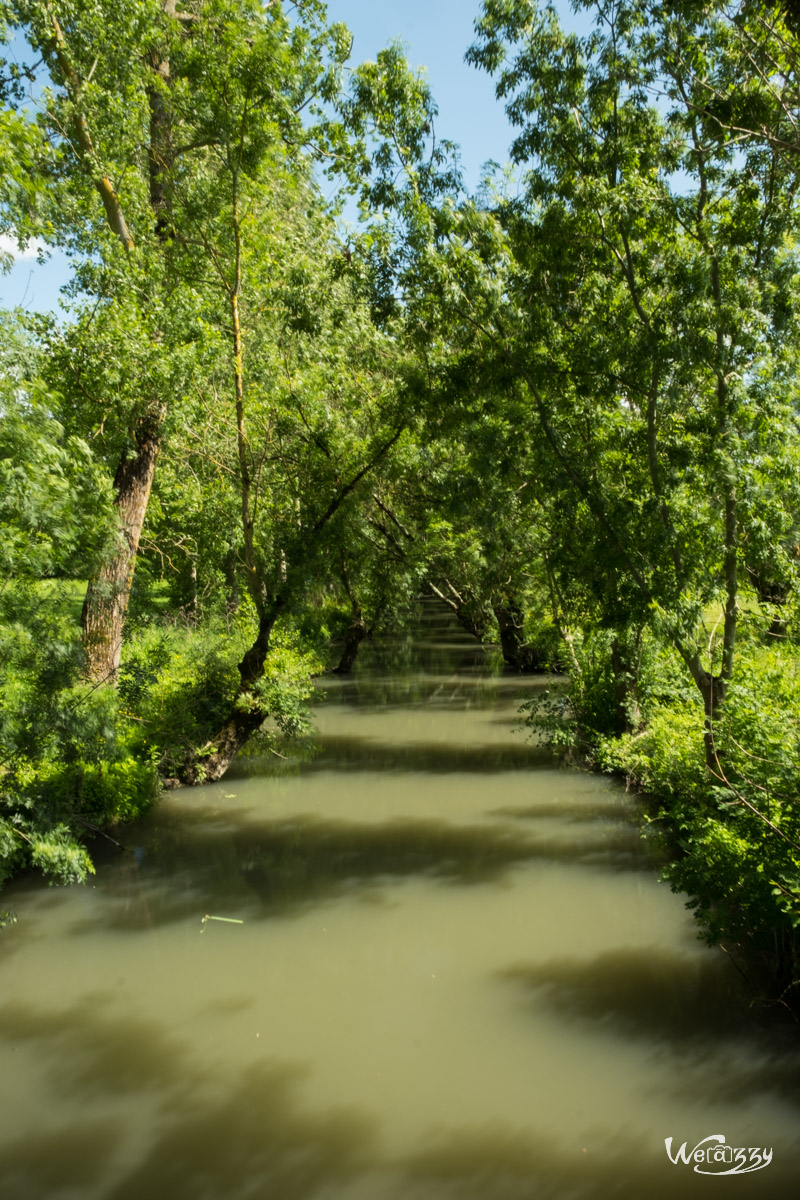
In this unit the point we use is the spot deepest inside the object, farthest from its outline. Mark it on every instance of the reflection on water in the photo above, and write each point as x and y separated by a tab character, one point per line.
456	976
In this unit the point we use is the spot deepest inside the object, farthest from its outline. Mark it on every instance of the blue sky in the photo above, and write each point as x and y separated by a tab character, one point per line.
436	34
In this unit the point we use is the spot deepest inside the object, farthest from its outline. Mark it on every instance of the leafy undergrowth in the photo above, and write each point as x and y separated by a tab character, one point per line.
731	835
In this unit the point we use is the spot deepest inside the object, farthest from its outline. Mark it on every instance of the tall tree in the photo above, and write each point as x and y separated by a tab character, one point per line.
127	76
637	291
104	70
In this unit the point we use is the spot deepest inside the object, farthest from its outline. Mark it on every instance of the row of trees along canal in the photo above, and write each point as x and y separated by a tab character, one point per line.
567	406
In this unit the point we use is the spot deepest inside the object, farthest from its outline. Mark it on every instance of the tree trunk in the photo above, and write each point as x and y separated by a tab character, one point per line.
472	618
509	623
354	636
624	671
469	613
775	594
712	689
193	605
211	763
107	595
247	714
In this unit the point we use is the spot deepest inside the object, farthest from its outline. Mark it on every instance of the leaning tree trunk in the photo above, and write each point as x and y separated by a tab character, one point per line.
468	611
108	593
509	623
354	636
247	713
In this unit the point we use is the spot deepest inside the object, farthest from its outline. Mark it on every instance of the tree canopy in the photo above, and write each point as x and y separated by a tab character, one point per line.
566	406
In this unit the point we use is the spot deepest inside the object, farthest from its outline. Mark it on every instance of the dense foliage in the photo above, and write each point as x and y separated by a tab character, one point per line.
567	406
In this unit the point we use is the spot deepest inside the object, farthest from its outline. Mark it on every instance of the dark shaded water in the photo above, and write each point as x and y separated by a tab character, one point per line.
457	975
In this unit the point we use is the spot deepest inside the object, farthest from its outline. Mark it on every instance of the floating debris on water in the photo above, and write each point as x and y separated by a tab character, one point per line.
227	920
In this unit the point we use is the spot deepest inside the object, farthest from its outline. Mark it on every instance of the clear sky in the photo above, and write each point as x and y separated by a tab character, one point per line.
436	34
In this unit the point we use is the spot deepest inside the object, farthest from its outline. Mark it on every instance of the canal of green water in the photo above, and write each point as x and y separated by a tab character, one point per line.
456	975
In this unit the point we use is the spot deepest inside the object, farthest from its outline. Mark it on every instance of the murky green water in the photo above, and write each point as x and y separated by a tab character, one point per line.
457	976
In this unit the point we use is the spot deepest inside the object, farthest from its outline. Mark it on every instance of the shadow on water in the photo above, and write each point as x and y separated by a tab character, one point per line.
601	806
254	1143
436	691
248	1135
353	754
434	758
251	1137
499	1163
74	1158
248	1138
503	1164
286	867
92	1053
695	1007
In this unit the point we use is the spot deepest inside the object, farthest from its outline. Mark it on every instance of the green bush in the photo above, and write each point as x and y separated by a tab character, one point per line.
734	834
177	684
104	793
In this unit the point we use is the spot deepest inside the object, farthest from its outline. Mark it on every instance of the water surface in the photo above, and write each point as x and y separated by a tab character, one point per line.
456	975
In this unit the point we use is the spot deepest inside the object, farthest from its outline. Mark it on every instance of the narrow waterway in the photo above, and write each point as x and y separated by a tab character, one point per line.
456	976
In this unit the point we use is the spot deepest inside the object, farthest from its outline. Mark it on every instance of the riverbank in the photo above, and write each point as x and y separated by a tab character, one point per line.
731	831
